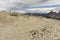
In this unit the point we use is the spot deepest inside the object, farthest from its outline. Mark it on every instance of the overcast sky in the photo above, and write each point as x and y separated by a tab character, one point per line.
22	4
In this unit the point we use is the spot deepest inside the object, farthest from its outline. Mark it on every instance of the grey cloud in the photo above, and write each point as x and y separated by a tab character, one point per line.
42	1
18	6
22	4
25	4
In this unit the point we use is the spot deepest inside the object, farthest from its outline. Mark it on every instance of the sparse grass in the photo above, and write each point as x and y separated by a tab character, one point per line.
14	14
22	29
44	29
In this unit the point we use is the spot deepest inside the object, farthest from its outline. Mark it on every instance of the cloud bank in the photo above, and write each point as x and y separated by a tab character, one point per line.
23	4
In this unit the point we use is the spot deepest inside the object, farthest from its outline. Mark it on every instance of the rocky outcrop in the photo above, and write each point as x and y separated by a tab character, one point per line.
53	15
58	16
